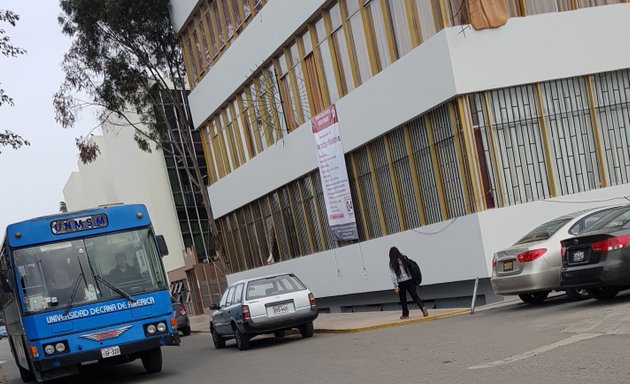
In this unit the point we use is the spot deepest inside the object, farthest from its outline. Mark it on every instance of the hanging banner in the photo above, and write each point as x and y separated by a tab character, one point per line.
334	175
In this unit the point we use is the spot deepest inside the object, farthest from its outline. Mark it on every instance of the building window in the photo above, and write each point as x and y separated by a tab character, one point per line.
328	66
612	102
359	40
424	170
341	48
400	22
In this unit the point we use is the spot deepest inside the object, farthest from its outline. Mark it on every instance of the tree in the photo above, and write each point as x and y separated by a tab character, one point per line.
8	138
125	57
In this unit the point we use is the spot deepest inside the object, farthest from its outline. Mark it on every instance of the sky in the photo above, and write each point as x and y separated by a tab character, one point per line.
32	178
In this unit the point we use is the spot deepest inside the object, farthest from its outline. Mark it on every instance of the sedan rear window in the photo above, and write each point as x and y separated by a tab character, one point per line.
544	231
616	219
275	285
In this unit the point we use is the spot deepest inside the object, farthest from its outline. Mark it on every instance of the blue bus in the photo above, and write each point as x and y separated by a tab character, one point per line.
85	287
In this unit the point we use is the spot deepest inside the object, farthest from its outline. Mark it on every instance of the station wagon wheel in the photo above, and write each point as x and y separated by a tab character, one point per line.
534	297
219	342
606	293
242	340
307	329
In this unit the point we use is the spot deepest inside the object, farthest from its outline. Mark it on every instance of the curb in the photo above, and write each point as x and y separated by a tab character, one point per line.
393	323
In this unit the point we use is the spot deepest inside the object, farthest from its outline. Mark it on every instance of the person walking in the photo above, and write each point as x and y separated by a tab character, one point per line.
403	282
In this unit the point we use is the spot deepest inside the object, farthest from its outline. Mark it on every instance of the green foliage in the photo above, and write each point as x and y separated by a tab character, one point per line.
8	138
123	52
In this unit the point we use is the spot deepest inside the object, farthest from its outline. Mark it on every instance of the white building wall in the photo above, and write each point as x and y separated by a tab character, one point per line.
448	64
457	250
180	11
276	22
123	173
455	61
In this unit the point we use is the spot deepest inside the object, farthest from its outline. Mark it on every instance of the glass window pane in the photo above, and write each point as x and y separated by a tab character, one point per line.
308	44
335	17
401	26
329	71
427	18
380	32
360	46
343	57
535	7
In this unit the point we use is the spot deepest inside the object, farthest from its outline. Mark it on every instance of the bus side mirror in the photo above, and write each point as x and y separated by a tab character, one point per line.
162	245
4	282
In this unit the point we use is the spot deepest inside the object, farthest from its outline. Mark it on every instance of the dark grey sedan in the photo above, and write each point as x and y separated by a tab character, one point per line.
265	305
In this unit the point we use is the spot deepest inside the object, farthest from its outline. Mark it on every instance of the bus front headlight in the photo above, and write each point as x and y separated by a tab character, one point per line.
49	349
161	327
60	347
151	329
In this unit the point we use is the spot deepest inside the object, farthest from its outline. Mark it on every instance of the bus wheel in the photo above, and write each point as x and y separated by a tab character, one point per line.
152	360
26	375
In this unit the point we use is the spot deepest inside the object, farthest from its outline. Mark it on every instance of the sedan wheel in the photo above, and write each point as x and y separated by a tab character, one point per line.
578	294
242	340
603	293
534	298
280	334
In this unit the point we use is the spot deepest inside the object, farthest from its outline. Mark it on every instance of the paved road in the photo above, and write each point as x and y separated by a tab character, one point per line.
557	342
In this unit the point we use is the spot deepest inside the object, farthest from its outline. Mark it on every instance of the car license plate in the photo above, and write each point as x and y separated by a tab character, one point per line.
508	266
579	256
280	309
110	352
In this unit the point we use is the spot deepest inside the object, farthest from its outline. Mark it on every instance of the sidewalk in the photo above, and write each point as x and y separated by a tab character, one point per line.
352	322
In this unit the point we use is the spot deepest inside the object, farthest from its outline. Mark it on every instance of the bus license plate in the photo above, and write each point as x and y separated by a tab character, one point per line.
110	352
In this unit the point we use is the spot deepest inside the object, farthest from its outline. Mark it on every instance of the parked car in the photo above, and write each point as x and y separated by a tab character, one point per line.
531	267
3	332
265	305
599	260
181	314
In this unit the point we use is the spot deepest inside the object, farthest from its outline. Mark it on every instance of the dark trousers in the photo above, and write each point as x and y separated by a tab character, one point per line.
410	286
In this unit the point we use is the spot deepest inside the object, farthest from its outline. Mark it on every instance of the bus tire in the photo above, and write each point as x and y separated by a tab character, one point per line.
152	360
26	375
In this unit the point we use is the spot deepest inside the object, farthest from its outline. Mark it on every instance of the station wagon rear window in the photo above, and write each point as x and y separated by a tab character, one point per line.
270	286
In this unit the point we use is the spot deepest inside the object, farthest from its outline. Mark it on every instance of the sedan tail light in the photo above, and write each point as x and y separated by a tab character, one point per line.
182	311
528	256
311	298
494	262
245	310
611	244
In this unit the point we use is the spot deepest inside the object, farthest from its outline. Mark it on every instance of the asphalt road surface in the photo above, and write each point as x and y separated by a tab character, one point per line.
557	342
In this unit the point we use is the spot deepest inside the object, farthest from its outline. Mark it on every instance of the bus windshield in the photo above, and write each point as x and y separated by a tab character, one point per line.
49	274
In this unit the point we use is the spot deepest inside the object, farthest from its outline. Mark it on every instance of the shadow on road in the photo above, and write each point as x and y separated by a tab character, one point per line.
560	300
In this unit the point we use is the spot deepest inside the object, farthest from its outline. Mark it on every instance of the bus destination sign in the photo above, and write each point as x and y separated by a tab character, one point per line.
77	224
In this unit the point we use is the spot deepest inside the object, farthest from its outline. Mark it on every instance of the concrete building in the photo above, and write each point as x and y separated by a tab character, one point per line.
122	173
456	141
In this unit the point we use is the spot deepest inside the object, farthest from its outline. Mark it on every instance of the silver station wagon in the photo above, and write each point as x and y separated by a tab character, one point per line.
264	305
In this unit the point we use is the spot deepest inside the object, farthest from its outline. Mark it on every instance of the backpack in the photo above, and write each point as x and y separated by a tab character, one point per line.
414	270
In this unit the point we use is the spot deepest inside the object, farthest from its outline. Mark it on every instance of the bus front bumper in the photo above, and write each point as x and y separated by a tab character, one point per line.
128	352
